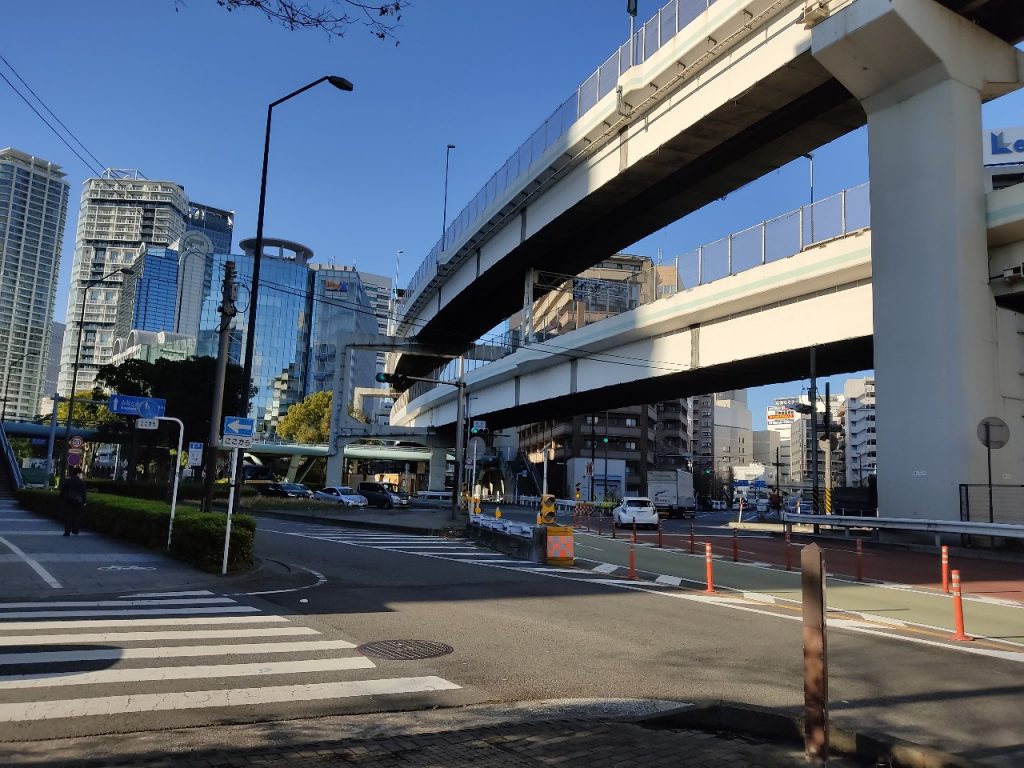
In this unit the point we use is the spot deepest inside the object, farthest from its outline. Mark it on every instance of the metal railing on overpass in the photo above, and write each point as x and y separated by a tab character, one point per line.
649	37
833	217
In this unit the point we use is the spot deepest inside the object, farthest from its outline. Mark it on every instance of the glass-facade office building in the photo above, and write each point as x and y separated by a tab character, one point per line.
149	295
33	209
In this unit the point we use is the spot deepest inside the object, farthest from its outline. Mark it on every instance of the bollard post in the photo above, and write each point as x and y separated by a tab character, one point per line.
709	568
735	547
945	569
634	530
632	561
789	554
589	519
958	610
693	542
600	526
661	541
860	557
613	526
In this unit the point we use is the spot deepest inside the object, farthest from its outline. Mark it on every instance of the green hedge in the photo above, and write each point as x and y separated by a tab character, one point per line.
161	491
198	536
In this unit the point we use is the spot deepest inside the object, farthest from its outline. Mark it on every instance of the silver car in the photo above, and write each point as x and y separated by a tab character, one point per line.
341	494
635	509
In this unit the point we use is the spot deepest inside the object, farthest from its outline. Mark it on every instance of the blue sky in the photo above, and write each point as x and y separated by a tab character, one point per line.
179	91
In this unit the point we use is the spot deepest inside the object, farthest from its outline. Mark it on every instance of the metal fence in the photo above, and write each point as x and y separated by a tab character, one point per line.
673	17
1006	504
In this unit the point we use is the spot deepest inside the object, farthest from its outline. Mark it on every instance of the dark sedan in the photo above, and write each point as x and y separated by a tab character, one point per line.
286	490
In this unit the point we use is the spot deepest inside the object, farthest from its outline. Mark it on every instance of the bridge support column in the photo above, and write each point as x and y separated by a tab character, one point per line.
921	73
293	468
438	459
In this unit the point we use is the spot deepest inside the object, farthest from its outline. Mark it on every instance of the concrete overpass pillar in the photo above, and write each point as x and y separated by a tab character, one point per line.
293	468
438	459
336	459
921	73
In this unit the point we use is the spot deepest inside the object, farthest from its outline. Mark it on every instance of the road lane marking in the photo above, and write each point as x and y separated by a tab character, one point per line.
239	697
173	651
153	674
33	564
143	595
606	568
126	637
672	581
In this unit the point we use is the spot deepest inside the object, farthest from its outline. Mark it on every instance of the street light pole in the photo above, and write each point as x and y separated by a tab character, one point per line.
78	351
250	333
444	212
810	209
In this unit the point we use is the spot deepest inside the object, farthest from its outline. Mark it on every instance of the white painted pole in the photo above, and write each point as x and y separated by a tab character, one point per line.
177	471
231	506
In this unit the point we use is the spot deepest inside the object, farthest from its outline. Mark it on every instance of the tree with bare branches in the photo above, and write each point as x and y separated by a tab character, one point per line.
333	17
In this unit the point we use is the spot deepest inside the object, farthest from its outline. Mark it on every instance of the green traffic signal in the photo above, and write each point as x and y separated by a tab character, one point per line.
604	439
382	378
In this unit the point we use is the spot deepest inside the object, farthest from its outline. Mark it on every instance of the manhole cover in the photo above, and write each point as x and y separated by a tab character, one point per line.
404	650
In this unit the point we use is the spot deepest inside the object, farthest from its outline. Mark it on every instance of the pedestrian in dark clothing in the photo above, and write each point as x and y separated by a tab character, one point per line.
72	497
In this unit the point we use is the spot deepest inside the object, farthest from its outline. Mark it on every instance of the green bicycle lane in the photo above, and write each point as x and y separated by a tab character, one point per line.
888	603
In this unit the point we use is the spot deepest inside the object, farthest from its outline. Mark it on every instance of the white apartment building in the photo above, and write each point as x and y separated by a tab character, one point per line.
121	214
721	429
859	427
33	209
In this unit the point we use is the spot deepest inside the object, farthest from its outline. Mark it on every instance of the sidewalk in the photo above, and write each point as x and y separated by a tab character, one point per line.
591	733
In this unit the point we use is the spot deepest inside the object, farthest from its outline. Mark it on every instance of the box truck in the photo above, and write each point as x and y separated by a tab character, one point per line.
671	491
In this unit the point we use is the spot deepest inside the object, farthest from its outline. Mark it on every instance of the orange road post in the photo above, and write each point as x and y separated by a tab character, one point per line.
709	567
958	610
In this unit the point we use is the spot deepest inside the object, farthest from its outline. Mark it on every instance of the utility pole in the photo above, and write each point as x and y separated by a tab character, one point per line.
593	451
778	473
227	310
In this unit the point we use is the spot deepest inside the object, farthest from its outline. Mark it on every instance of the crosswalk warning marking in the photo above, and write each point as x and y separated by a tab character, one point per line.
238	697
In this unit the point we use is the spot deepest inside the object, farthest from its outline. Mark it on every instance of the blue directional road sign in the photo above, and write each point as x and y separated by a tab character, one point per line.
132	405
239	426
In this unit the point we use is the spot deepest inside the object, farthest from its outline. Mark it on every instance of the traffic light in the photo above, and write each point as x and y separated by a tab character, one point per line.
395	380
604	440
478	428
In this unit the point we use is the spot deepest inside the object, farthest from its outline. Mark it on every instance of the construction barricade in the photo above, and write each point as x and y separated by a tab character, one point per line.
560	545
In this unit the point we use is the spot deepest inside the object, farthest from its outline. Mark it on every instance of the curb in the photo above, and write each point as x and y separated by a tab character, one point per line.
778	726
385	526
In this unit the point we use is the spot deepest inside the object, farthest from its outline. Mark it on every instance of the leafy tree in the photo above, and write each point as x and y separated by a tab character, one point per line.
333	16
186	385
89	414
310	420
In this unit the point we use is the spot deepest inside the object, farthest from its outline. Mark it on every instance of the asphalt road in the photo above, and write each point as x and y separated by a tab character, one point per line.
523	634
518	632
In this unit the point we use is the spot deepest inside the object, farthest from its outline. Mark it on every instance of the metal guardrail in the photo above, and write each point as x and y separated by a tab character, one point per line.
11	460
522	540
938	527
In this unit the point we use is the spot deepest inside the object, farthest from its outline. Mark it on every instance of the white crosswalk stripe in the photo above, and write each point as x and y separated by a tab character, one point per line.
138	661
436	547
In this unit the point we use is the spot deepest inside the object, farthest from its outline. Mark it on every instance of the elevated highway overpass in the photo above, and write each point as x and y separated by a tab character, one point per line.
715	98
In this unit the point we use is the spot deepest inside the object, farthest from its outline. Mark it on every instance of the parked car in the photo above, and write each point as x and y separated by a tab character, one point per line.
343	495
638	509
383	495
286	490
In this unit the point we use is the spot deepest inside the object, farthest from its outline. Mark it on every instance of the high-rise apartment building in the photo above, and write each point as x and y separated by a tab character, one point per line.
33	209
859	428
722	436
121	215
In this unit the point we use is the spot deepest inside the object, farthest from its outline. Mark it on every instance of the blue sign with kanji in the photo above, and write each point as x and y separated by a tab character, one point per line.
133	405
